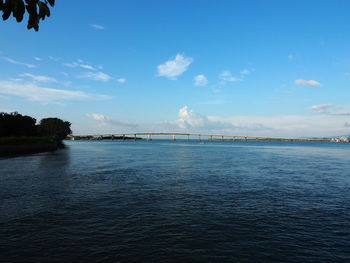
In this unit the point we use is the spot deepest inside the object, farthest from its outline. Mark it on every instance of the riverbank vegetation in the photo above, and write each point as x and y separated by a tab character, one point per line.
21	134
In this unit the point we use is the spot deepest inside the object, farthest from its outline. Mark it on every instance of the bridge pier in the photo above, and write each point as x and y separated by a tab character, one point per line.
174	137
135	137
149	137
188	138
211	137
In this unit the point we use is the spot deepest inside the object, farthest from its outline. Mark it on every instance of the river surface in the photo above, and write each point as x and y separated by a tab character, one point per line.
164	201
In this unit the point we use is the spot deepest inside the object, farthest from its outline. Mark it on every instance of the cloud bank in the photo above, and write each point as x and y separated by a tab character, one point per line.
38	78
330	109
107	121
34	92
15	62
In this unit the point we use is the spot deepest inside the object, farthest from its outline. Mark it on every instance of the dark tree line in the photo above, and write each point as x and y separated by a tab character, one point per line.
36	10
16	125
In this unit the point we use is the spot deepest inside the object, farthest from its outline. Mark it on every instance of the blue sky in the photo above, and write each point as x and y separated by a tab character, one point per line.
274	68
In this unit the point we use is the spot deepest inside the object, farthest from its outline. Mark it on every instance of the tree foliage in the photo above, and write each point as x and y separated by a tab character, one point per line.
15	124
36	10
55	128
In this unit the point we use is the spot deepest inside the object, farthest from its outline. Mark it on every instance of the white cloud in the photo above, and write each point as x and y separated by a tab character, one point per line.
85	66
121	80
98	76
38	59
303	82
340	113
79	64
245	72
200	80
15	62
174	68
227	76
37	93
190	119
97	27
291	126
54	58
107	121
330	109
38	78
288	126
98	117
321	108
290	57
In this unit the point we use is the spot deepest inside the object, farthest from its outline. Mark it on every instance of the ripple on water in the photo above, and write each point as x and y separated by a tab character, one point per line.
177	202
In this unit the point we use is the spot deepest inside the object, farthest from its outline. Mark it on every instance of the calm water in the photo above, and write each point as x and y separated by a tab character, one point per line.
164	201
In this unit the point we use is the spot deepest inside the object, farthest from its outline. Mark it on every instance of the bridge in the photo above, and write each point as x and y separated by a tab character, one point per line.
189	136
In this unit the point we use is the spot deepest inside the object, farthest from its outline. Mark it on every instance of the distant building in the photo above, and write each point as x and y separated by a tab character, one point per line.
340	139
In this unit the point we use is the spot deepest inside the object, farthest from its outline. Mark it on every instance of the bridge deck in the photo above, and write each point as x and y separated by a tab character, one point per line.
199	135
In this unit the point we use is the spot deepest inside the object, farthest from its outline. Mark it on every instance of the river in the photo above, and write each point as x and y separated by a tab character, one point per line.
164	201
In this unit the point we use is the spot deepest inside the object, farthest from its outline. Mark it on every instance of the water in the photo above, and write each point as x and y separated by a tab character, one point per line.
164	201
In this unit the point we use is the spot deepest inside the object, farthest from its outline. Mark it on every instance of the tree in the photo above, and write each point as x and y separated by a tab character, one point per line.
36	9
15	124
55	128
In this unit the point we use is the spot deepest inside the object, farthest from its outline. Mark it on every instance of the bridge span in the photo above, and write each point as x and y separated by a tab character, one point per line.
184	136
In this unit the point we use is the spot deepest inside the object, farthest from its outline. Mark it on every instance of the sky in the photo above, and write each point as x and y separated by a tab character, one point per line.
236	67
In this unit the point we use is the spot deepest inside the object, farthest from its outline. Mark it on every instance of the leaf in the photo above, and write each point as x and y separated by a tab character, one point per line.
36	9
19	10
7	9
46	10
51	2
15	6
7	13
33	21
43	10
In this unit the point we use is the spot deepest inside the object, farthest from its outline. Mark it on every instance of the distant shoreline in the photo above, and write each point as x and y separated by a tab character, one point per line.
201	139
193	136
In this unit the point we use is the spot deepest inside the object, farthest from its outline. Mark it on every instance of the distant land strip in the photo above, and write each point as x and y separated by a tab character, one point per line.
175	136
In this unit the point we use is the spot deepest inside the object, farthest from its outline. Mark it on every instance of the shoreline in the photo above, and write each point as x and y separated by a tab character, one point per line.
13	150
